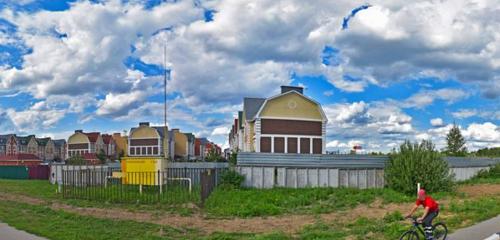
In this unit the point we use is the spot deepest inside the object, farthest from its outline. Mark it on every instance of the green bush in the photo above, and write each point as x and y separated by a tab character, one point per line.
76	160
493	172
418	163
231	179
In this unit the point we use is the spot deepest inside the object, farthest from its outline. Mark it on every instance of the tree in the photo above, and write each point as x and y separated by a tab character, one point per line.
417	163
455	142
76	160
213	156
101	156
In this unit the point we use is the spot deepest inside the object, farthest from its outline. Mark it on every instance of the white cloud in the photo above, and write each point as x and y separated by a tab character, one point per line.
483	132
119	104
436	122
328	93
424	98
220	131
486	114
464	113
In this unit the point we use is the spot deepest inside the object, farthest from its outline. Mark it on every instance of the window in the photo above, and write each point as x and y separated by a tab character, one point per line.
132	151
155	150
150	150
144	151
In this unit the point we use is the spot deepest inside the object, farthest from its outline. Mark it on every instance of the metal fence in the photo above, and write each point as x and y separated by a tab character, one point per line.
40	172
268	170
171	186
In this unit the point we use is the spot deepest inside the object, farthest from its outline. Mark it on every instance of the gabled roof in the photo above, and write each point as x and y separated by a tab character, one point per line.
323	115
251	106
93	136
161	130
203	141
190	137
106	138
5	138
24	140
59	142
42	141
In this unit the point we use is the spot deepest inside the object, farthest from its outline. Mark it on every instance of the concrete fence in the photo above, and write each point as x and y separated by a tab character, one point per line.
268	170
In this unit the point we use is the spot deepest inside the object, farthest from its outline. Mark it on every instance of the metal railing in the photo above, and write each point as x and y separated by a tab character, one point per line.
171	186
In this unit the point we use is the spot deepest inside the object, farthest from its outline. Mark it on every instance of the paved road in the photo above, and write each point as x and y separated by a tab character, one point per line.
10	233
479	231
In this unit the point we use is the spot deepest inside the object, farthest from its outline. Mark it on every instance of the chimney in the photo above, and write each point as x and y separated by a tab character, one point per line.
115	135
79	131
175	130
144	124
285	89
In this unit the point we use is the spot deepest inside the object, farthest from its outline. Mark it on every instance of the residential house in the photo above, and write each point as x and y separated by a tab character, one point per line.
190	148
59	149
289	122
121	143
181	145
8	144
200	148
27	145
86	145
46	149
146	141
109	146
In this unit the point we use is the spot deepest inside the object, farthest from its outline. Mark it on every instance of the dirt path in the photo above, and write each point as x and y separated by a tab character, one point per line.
291	223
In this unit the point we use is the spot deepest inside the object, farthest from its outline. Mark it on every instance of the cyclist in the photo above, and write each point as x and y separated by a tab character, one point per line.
431	210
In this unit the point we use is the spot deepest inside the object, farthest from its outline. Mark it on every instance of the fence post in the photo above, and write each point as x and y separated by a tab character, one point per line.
160	182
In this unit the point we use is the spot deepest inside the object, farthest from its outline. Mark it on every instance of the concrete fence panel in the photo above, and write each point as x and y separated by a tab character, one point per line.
267	170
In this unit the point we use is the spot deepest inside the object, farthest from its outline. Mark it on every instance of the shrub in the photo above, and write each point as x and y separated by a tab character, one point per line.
493	172
418	163
233	158
231	179
76	160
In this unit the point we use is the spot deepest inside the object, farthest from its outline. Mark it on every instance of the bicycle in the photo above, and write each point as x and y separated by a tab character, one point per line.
440	231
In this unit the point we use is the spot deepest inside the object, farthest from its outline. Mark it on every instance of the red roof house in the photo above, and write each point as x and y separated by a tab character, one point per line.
20	159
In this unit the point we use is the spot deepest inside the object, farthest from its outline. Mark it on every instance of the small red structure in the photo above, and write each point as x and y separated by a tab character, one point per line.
20	159
91	159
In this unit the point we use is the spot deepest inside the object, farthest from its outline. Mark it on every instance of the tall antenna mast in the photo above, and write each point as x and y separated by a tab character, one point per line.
165	80
165	130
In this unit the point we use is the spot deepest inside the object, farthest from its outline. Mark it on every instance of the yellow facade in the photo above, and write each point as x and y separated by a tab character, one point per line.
142	170
77	138
144	132
181	144
121	143
290	106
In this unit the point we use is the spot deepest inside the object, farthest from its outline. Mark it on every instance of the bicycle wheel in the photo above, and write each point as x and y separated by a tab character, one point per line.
410	235
440	231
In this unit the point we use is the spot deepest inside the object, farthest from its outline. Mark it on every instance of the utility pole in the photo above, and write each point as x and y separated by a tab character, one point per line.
165	130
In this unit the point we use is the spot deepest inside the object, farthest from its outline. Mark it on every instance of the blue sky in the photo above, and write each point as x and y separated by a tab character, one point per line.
98	65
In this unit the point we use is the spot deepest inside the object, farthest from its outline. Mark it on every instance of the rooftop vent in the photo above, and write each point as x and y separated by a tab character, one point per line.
285	89
144	124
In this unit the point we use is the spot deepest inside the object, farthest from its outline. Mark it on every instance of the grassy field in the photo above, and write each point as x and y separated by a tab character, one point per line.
458	210
278	201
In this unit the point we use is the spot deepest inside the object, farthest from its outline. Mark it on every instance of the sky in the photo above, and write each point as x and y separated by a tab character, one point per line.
383	71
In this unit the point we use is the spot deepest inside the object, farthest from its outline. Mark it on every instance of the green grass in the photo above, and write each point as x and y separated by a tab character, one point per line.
42	221
60	225
56	224
42	189
277	201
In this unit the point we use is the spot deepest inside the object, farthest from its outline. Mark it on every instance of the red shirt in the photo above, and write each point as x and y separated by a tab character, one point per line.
428	202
